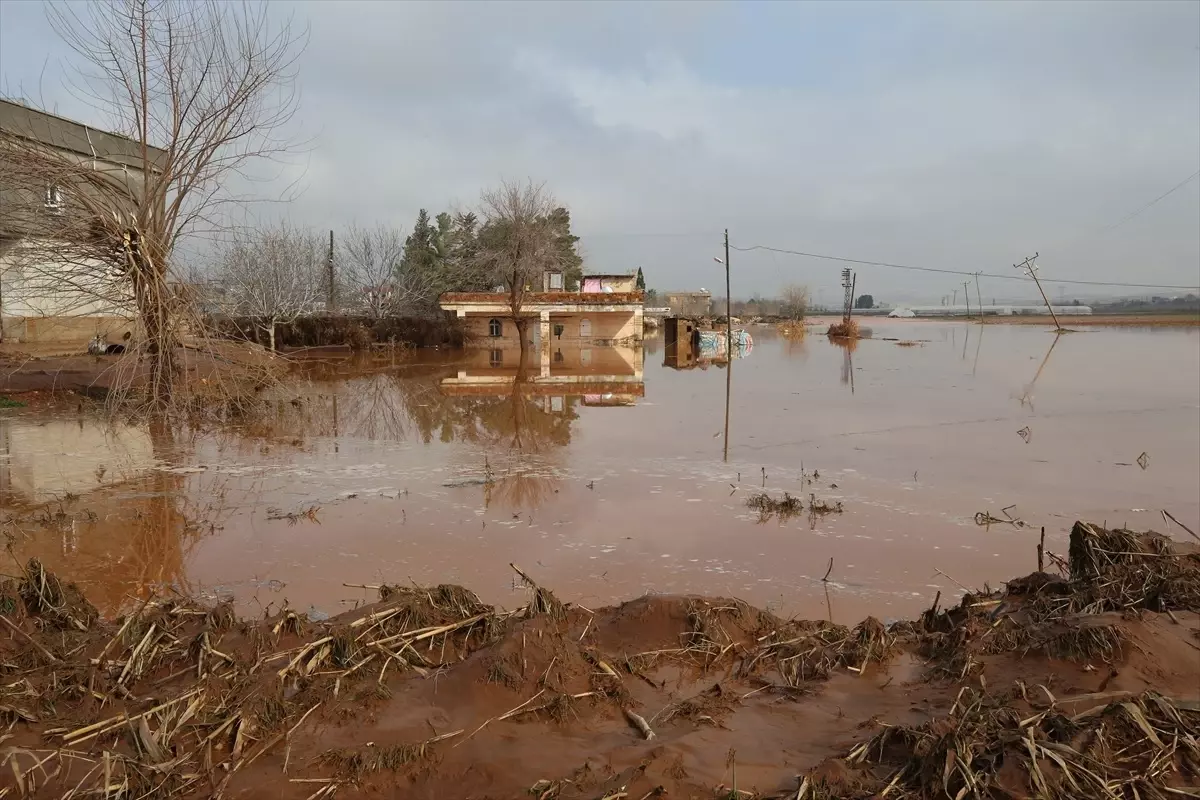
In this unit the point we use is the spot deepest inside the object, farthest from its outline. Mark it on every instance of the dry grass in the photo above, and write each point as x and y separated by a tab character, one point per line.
189	679
785	507
1108	572
1133	748
844	330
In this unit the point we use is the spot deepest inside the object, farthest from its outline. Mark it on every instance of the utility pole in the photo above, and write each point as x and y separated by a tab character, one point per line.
848	296
1030	268
728	304
979	297
954	302
331	300
728	345
967	297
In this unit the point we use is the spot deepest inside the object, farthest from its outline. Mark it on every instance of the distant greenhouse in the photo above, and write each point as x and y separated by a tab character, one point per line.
994	311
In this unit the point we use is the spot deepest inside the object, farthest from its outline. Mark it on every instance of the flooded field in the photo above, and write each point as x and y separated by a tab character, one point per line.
603	473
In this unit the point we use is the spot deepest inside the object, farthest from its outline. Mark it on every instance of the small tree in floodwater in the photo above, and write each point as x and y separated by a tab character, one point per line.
273	276
203	88
794	302
519	242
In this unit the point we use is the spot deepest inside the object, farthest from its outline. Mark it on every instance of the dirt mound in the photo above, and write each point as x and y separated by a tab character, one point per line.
1062	686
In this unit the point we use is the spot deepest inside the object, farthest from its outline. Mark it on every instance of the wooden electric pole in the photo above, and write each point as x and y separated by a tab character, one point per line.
331	299
1030	269
728	303
967	298
979	297
728	345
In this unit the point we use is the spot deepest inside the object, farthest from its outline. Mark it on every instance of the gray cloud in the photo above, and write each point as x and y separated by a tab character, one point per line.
961	136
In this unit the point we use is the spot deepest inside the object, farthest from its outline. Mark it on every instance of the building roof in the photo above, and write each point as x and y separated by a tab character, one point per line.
17	119
609	275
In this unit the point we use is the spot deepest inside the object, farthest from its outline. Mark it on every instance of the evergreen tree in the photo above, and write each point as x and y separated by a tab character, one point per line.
420	248
569	258
641	281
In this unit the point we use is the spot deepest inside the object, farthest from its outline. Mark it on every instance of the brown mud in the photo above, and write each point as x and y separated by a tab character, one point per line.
1084	684
49	370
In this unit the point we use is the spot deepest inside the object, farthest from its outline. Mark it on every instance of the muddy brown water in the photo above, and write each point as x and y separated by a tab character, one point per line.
603	474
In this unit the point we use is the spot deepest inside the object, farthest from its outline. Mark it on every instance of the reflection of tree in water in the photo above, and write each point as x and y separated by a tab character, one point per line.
795	340
518	419
523	489
396	406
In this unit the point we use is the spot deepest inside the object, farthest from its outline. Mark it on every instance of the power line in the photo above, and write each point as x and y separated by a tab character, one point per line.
997	276
1145	207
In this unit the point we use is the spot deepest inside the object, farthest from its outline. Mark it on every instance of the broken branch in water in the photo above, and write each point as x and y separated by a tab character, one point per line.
828	571
956	583
984	518
1180	524
293	517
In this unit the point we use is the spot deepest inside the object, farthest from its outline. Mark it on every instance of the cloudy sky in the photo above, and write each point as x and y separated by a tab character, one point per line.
947	135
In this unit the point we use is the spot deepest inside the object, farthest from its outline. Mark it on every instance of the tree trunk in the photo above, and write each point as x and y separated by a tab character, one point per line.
271	335
153	306
522	325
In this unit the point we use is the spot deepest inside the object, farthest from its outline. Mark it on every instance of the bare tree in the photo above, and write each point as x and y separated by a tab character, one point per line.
369	260
795	302
518	243
202	88
273	276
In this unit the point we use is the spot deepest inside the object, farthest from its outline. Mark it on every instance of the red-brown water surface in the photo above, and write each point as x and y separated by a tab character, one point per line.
609	480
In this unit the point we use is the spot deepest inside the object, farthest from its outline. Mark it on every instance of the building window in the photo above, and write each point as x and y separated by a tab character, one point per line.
558	331
558	356
585	328
496	357
495	329
556	281
54	197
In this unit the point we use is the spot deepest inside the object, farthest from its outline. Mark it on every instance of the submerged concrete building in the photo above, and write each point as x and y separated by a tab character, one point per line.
606	311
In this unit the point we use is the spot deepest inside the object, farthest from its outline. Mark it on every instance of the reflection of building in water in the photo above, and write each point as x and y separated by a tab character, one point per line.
42	459
602	376
117	542
95	507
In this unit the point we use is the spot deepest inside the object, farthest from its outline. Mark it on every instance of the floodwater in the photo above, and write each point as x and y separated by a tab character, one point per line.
603	473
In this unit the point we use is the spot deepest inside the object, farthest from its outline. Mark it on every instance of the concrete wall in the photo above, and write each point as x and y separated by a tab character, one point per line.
477	329
43	301
65	330
689	304
605	326
609	283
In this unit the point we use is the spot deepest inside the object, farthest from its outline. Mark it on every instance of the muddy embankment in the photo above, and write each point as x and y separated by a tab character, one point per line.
1082	684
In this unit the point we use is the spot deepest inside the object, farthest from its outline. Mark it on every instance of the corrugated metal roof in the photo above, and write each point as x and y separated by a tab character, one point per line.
55	131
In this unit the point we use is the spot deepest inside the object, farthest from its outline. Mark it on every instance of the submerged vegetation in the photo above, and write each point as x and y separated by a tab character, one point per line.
844	330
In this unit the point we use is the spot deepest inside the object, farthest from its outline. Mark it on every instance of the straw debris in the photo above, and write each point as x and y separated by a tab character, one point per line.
985	748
